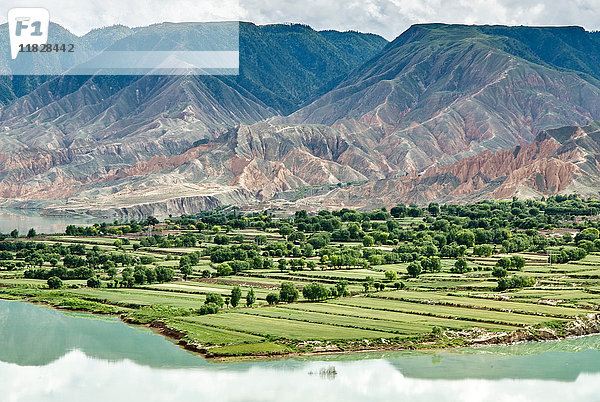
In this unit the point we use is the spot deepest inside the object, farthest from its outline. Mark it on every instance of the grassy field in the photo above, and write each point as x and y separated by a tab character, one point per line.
278	327
436	310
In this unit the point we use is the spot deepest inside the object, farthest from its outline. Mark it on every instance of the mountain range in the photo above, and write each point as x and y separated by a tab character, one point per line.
315	118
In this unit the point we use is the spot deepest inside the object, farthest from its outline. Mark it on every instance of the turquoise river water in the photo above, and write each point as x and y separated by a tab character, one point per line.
50	355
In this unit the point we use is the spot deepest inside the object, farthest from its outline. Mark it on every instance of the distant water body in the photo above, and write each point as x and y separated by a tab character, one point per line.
25	220
49	355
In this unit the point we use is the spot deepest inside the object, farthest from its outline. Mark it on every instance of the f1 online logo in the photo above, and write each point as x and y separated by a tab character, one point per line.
27	26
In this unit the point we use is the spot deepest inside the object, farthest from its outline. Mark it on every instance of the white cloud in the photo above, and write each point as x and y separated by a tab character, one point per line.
386	17
76	377
391	17
80	16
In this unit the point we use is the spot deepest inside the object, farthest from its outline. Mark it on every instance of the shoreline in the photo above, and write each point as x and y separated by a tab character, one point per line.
586	325
448	340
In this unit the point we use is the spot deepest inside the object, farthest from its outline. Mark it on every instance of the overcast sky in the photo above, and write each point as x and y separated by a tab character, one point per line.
385	17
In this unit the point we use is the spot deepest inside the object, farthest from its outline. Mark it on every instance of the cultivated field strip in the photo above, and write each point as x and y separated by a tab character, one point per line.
210	335
441	311
399	319
396	327
284	328
481	303
141	297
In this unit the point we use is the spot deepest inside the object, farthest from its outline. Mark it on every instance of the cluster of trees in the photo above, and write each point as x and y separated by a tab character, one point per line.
446	231
60	272
141	275
512	263
515	282
317	291
568	254
173	241
214	301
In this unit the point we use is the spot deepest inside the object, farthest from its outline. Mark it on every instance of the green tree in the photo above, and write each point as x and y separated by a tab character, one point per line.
590	234
414	269
517	262
342	288
31	234
214	298
398	211
483	250
250	298
164	274
431	264
236	295
94	282
465	237
499	272
315	291
285	230
127	277
391	275
186	271
504	262
54	282
208	308
433	208
460	266
272	298
260	239
224	269
288	292
368	241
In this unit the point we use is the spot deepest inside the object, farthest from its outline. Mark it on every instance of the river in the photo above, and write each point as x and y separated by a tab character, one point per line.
23	220
50	355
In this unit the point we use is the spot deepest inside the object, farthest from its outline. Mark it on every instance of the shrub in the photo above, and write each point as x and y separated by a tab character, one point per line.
208	308
54	282
288	292
272	298
515	282
460	266
315	292
215	299
224	269
94	282
391	275
414	269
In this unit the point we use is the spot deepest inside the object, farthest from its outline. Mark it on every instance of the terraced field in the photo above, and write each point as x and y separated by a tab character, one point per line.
278	327
436	310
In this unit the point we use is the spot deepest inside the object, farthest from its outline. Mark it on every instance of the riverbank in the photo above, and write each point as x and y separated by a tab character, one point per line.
587	324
